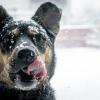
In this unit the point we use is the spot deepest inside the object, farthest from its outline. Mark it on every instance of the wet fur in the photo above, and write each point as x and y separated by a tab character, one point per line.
44	93
47	16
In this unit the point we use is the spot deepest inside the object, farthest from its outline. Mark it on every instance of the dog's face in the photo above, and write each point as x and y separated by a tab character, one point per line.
27	47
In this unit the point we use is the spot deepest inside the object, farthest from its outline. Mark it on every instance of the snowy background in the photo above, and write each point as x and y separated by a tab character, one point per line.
77	75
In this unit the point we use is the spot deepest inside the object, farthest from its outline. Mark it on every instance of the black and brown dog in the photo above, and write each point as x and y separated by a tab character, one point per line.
27	58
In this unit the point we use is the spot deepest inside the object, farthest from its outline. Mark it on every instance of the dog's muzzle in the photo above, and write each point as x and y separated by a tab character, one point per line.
26	65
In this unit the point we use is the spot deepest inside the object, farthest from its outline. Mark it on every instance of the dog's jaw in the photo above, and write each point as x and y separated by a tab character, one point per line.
18	84
31	77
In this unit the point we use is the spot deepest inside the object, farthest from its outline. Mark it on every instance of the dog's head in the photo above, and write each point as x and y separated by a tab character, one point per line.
27	47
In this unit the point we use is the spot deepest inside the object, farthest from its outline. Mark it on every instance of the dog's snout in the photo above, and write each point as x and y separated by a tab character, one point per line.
26	55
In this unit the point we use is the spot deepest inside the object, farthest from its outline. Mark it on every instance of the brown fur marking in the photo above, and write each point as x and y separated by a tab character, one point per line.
15	31
48	55
1	63
4	75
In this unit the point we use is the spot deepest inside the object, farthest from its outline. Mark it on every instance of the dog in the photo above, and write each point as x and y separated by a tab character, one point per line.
27	55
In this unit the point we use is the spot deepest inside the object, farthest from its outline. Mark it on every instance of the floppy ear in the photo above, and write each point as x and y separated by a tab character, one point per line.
49	15
4	17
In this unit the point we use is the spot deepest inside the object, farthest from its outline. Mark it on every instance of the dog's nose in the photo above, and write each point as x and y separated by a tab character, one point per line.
26	55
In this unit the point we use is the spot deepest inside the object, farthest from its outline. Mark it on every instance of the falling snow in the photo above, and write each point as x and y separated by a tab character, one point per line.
77	75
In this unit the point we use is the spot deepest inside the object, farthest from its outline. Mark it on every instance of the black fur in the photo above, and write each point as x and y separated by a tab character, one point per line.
47	16
44	93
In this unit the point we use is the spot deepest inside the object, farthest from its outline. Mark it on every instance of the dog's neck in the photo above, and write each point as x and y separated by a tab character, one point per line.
44	93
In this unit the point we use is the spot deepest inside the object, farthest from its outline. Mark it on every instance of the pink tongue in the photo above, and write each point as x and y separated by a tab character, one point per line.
37	69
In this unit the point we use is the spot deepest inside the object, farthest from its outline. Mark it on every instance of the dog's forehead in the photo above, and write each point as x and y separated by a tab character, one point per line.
30	25
22	27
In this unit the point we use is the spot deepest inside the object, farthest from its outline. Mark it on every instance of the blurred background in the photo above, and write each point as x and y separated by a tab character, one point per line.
77	75
80	18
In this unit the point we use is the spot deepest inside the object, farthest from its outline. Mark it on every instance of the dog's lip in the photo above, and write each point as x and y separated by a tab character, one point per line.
30	76
24	77
26	84
37	69
34	71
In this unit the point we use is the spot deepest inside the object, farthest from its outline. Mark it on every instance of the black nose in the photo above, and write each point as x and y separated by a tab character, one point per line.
26	55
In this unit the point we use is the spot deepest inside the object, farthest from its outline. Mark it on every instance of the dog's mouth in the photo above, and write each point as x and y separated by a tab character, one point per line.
30	76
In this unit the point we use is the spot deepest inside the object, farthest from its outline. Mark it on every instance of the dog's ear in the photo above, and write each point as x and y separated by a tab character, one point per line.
4	17
49	15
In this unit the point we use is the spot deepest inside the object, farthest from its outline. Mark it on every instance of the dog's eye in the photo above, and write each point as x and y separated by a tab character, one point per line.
40	42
